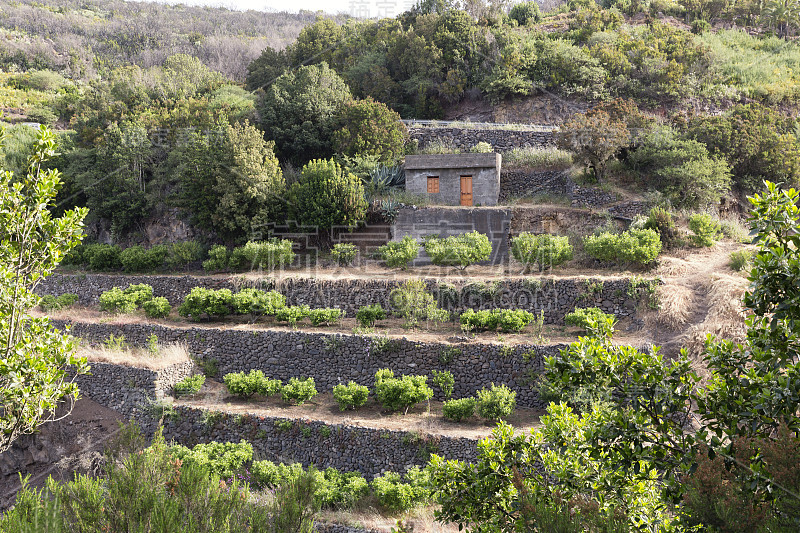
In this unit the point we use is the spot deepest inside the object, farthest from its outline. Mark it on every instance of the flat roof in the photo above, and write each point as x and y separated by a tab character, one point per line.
436	161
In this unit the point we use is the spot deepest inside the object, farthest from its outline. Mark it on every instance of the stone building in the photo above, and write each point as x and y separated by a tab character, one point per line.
455	179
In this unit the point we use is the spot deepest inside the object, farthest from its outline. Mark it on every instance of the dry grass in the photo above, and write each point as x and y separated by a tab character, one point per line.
725	316
676	303
163	357
421	518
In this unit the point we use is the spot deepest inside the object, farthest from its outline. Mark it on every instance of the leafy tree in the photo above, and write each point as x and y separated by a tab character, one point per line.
681	168
266	68
35	356
230	182
325	196
297	111
525	13
367	127
757	141
594	138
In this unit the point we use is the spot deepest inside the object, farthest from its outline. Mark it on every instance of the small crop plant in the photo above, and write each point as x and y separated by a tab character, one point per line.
324	317
395	394
202	302
350	396
244	385
266	255
157	307
56	303
706	230
542	251
587	318
398	493
399	254
459	250
741	260
298	391
458	410
413	302
369	314
496	402
344	253
637	246
189	385
292	314
217	259
257	302
445	381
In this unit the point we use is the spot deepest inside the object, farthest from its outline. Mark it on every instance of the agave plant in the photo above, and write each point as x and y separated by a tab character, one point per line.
389	209
383	178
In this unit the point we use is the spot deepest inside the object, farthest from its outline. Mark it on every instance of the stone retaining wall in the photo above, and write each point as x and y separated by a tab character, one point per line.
331	358
465	138
127	389
349	448
556	297
514	183
131	392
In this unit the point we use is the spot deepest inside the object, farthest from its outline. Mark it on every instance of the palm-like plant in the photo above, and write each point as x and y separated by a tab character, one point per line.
782	15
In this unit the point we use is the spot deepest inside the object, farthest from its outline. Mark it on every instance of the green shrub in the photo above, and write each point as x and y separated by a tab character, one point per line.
217	258
459	250
268	475
257	303
292	314
244	385
496	402
741	259
324	196
157	307
413	302
181	254
445	381
640	246
210	302
458	410
587	318
265	255
508	320
116	301
660	220
399	253
482	148
139	293
56	303
102	257
350	396
224	459
706	230
340	489
368	314
397	494
344	253
298	391
544	251
327	316
137	259
400	393
189	385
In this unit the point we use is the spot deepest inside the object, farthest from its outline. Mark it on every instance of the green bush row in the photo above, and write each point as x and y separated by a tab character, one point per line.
493	403
508	320
106	257
637	246
254	255
128	300
244	385
219	303
459	250
543	251
189	385
56	303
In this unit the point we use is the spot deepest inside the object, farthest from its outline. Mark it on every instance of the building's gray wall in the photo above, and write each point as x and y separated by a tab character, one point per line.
493	222
484	169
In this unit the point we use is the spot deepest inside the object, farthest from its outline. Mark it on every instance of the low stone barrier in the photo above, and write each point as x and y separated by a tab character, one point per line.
336	358
349	448
502	140
555	297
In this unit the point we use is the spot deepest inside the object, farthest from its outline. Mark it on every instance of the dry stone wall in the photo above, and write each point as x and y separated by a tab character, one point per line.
349	448
502	140
132	391
127	389
556	297
334	358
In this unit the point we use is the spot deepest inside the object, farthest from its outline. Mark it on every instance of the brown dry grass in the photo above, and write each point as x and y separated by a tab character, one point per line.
165	356
676	303
421	518
725	316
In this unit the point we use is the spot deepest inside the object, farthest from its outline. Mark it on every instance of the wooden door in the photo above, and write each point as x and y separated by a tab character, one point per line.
466	190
